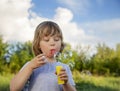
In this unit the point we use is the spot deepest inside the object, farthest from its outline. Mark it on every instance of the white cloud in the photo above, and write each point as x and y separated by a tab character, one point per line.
108	26
72	33
107	31
63	15
17	26
14	23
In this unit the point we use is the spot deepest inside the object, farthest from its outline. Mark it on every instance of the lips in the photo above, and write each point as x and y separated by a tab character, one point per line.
52	51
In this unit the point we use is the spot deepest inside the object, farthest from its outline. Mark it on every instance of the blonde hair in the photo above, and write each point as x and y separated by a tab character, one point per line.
46	28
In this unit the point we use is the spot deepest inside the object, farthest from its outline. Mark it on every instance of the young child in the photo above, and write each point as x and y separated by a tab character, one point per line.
39	74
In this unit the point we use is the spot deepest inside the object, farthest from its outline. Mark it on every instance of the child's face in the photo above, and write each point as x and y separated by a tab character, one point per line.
49	43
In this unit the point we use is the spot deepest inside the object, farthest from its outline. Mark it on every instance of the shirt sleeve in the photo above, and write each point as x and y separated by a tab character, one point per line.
70	78
26	86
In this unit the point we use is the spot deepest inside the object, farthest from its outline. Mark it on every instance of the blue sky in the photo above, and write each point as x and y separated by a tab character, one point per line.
84	22
91	10
85	12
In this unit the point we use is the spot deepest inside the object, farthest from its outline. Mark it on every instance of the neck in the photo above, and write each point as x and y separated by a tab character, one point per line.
52	59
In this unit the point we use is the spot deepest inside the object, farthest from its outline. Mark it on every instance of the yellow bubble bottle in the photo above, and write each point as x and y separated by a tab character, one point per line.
58	68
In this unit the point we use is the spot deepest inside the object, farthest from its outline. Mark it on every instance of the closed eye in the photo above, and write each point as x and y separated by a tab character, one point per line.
46	39
56	39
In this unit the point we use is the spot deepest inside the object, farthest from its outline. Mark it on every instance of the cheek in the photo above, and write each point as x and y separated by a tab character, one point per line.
58	46
44	50
43	47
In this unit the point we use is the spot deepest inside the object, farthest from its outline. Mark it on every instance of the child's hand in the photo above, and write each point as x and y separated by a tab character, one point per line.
63	75
37	61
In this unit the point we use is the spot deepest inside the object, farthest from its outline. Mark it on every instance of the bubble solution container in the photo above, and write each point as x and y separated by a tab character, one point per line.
58	68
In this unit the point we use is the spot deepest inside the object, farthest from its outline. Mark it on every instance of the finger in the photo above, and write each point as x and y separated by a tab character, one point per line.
63	75
41	61
40	55
42	58
64	79
62	69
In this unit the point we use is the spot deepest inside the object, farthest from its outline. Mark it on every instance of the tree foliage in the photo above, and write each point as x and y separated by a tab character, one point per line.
106	60
3	47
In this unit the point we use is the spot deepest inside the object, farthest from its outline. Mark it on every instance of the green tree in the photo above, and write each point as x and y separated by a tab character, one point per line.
82	58
3	47
101	59
106	61
20	56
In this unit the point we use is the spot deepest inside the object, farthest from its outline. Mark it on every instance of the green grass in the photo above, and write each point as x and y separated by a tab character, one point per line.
83	82
4	82
96	83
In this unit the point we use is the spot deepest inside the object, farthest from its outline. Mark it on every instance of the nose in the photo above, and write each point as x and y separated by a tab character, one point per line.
52	42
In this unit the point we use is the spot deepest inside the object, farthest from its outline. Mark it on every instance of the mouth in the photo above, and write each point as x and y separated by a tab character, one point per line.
52	51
